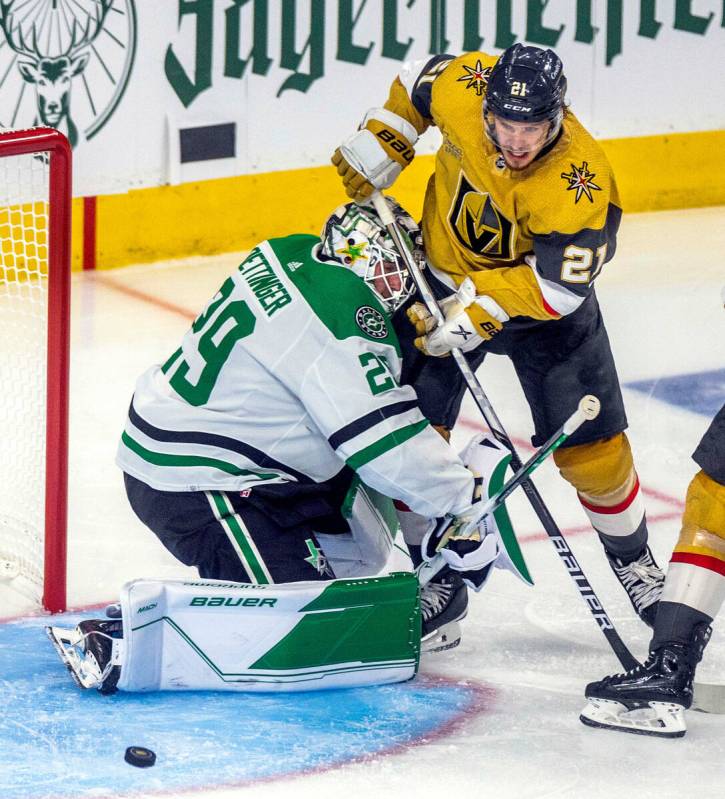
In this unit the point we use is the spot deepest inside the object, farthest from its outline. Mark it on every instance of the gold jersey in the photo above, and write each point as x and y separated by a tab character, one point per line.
533	239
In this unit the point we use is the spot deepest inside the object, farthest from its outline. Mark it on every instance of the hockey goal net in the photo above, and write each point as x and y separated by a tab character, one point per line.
35	198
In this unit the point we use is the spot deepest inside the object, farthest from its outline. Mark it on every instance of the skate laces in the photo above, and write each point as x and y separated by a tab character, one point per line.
633	672
433	599
640	668
648	574
642	580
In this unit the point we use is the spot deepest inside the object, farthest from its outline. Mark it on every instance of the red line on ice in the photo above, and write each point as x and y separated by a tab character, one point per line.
677	505
142	296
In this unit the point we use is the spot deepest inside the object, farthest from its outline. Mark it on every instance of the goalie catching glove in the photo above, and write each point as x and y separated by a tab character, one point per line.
492	541
469	320
374	156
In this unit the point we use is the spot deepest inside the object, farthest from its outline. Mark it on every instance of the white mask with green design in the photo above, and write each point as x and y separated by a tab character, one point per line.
355	237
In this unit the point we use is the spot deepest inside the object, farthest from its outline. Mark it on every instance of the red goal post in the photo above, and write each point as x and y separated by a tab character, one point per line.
35	226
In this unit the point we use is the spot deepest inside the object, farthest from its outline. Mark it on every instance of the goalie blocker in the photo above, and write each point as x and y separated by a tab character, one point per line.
212	635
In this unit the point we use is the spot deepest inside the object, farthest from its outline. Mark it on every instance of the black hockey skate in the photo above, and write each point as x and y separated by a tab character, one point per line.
443	603
88	652
649	699
643	580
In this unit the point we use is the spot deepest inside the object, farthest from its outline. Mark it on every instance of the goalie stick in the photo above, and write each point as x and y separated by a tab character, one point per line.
708	698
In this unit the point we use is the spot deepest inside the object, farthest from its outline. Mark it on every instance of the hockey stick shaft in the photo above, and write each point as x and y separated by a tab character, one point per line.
618	646
588	409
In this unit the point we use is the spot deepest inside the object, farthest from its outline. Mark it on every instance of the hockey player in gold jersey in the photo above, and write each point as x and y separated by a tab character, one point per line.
651	698
520	216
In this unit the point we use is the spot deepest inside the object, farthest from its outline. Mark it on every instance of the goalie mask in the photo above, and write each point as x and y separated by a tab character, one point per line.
355	237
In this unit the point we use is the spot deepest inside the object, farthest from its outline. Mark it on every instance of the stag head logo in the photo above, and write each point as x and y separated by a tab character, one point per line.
53	42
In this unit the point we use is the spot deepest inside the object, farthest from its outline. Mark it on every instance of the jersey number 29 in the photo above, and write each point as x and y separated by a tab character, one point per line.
217	332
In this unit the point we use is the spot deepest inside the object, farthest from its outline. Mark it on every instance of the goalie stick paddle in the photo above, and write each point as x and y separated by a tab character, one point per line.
587	409
596	608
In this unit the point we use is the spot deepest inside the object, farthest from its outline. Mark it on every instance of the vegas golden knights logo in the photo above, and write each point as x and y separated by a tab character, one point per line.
479	224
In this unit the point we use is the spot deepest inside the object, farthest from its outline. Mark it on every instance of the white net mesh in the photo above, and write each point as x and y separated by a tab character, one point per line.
24	182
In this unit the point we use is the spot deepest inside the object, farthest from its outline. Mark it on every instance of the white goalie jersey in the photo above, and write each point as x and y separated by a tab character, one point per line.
290	372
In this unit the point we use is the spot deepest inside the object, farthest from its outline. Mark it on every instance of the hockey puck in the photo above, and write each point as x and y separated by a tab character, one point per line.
140	756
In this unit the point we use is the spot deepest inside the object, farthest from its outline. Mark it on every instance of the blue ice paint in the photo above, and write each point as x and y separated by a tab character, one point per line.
701	392
57	740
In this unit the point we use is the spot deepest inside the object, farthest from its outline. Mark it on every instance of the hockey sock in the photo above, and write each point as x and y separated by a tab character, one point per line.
675	623
626	547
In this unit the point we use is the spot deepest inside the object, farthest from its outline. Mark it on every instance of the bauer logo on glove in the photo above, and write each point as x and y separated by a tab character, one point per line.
398	144
469	320
374	156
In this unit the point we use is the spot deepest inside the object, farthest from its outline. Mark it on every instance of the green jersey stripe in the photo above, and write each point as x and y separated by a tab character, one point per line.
382	445
161	459
231	522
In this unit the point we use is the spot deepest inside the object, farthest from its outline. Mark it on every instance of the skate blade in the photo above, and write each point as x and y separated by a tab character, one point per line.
65	643
661	719
446	637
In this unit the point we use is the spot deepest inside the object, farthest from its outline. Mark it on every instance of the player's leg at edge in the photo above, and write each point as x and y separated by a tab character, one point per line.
608	489
651	699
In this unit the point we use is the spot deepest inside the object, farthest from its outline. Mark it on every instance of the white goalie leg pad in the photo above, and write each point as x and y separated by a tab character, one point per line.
662	719
374	544
212	635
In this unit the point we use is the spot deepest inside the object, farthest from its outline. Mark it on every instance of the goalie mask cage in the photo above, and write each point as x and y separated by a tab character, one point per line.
35	208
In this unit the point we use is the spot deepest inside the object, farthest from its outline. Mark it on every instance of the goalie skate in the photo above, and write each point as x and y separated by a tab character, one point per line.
445	637
663	719
443	603
89	652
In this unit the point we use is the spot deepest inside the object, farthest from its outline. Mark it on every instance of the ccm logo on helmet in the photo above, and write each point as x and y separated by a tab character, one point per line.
522	108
